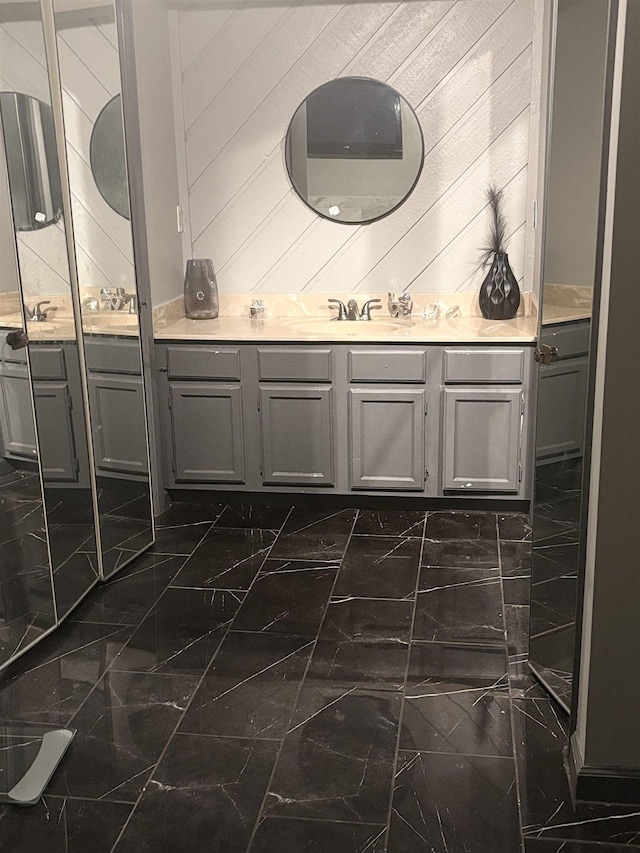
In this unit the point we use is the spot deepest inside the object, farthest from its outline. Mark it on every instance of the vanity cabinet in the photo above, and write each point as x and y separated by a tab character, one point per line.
369	419
483	416
57	392
205	416
562	393
116	397
296	413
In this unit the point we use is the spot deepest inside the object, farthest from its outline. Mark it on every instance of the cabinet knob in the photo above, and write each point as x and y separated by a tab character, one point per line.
545	354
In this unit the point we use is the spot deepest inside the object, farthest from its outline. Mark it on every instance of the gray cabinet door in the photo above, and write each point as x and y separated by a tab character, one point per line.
562	396
481	439
57	445
16	415
297	441
207	431
118	424
387	430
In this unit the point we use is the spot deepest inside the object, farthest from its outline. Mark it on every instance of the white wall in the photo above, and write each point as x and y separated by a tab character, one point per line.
464	66
574	171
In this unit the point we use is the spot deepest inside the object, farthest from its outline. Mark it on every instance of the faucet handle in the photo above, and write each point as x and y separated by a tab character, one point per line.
368	306
342	308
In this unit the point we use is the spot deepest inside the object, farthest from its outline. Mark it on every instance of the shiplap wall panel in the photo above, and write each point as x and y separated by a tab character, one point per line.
465	67
267	98
447	156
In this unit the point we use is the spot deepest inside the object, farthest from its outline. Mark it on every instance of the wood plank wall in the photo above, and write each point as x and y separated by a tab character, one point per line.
463	65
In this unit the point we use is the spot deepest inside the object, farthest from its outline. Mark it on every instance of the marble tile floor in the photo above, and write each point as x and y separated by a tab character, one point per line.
301	680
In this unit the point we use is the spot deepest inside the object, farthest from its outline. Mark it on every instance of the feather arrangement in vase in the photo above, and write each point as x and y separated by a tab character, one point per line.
499	296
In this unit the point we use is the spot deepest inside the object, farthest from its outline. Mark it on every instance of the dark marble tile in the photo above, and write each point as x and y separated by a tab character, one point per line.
129	534
435	664
374	663
554	650
379	567
72	580
461	553
186	512
60	825
291	566
553	604
541	739
52	680
446	803
19	518
251	687
173	538
551	845
122	729
287	602
20	555
480	526
226	559
517	591
374	522
565	509
312	534
351	620
459	604
317	836
256	516
514	526
555	560
182	632
515	558
204	795
457	718
127	598
517	622
337	758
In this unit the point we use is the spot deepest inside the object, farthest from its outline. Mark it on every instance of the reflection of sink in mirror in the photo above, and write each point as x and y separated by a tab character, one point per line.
315	325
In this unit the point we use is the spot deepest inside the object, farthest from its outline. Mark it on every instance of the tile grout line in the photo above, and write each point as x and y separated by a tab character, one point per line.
404	686
197	687
298	692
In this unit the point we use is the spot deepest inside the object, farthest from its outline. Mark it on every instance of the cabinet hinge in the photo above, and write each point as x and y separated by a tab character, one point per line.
519	472
258	404
522	403
70	401
76	465
261	470
426	408
169	402
426	475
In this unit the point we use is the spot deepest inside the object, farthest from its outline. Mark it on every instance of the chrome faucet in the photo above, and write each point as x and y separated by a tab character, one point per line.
37	315
115	300
400	306
350	310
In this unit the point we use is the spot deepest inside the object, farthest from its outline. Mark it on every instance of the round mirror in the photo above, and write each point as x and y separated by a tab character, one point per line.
107	154
354	150
32	161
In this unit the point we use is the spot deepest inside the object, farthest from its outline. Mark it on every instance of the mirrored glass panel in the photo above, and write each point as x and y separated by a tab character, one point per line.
569	268
89	63
354	150
39	360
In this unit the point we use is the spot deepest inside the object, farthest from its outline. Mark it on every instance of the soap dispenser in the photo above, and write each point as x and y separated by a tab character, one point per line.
200	290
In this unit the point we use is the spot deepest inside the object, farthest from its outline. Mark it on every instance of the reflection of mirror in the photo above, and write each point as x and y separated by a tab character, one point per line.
108	157
48	457
569	268
354	150
31	160
86	36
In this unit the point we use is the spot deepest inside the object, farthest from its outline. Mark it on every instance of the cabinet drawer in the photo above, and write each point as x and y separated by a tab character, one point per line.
572	340
47	362
485	365
387	366
297	364
203	363
112	356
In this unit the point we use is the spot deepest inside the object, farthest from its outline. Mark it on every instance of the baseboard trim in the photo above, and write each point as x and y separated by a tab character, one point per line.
616	785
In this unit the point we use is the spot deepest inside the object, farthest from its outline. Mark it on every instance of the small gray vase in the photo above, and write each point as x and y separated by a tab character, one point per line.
200	290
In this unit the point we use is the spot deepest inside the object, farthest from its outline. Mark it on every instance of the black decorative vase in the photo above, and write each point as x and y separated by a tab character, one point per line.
201	300
499	295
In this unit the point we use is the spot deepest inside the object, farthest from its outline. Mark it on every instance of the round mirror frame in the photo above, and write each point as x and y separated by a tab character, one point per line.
406	190
108	158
